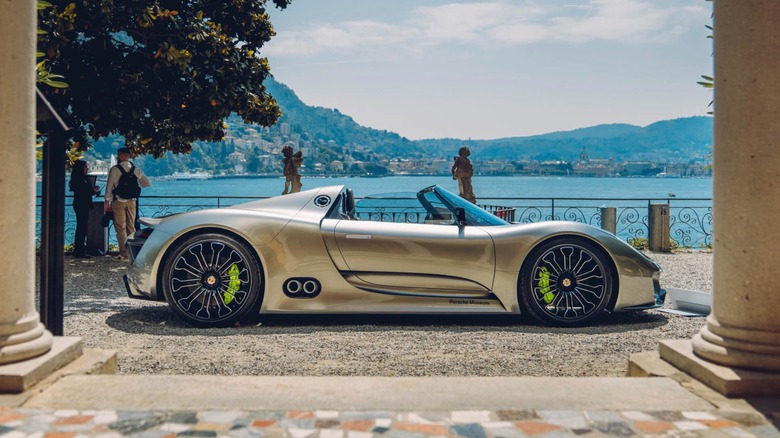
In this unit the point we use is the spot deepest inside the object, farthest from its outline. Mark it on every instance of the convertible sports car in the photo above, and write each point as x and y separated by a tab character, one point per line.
429	252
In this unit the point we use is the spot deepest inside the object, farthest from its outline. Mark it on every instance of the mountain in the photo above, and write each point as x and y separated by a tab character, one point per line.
336	136
318	123
669	140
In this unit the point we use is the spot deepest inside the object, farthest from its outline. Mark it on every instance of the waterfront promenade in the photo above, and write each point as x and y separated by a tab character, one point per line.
363	377
326	408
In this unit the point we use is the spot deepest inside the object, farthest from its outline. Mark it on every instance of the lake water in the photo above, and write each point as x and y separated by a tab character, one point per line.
690	207
484	187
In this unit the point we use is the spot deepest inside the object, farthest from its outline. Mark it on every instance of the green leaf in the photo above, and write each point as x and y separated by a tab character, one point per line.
55	84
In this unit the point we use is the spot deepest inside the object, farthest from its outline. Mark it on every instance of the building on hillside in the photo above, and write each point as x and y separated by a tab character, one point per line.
418	165
356	165
592	169
492	167
554	167
440	166
238	160
267	162
584	155
398	166
586	166
639	168
527	167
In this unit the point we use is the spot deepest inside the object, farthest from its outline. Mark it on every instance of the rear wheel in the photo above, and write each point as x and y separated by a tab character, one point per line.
566	282
212	280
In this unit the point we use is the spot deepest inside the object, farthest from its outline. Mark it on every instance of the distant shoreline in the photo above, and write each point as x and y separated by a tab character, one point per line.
279	175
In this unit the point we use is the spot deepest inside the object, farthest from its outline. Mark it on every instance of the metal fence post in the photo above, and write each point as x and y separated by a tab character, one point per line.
658	228
97	234
609	219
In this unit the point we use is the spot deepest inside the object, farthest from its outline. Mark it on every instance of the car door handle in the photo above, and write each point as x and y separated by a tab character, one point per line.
358	236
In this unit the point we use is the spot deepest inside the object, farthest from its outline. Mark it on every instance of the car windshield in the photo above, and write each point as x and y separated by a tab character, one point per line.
474	214
432	205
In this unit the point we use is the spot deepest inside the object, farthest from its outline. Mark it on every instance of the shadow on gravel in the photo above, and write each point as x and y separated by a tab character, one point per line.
160	320
95	305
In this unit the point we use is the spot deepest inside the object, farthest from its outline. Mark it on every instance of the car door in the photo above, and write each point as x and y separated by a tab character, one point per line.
429	257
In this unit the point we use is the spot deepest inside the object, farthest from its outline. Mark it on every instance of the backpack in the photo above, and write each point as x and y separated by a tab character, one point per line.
127	187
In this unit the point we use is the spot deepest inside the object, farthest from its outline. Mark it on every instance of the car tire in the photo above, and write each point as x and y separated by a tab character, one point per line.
212	280
566	282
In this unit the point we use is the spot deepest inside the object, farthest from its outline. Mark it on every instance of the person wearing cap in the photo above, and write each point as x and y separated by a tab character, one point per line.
123	209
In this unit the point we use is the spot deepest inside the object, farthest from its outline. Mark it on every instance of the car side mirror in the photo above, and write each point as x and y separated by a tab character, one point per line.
460	216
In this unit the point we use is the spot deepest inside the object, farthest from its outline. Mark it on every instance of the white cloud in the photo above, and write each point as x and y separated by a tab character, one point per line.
469	22
345	35
501	22
623	20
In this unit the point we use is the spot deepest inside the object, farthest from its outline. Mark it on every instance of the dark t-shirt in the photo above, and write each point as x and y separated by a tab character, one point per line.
82	193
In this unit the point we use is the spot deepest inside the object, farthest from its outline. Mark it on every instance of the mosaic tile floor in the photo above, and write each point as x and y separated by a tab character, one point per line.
344	424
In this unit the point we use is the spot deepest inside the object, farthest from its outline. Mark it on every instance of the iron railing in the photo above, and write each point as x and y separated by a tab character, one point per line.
690	218
690	221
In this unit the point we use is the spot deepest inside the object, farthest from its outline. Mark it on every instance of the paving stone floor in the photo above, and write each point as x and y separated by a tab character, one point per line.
16	422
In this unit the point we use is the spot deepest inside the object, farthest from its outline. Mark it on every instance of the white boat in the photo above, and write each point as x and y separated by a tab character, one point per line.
186	176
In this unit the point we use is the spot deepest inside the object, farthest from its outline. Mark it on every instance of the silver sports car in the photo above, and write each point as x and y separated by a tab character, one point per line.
426	252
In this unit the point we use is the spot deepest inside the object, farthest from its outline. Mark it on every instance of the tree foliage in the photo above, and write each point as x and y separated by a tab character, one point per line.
42	73
708	81
160	73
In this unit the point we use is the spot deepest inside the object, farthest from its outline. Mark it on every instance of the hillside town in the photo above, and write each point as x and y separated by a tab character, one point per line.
252	150
259	151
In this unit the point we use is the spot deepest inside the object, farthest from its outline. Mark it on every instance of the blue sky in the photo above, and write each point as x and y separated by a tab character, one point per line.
495	68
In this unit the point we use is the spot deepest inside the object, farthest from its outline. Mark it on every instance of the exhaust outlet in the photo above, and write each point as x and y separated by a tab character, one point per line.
311	287
302	287
293	287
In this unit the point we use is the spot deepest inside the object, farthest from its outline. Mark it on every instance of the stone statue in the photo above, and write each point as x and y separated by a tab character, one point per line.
462	170
292	182
297	162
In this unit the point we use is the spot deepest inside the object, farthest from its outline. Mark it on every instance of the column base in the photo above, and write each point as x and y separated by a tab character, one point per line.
738	347
727	381
20	376
31	342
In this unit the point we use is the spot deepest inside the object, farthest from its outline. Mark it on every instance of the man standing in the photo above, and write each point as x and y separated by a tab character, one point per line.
122	190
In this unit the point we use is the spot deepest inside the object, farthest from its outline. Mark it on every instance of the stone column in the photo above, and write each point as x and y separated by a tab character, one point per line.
743	330
609	219
658	228
22	335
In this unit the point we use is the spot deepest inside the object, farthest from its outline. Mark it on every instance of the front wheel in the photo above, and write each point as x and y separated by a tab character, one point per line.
211	280
566	282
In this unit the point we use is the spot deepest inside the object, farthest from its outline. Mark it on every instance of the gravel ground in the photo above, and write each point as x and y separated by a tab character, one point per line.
151	340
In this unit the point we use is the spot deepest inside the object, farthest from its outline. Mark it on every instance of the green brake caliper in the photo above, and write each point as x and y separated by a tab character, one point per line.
544	285
233	284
